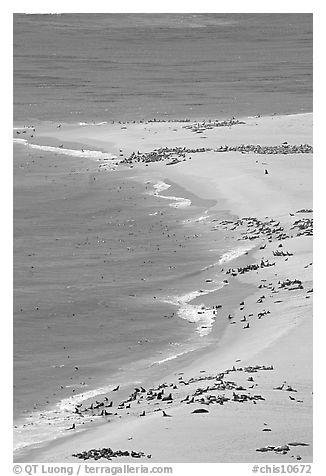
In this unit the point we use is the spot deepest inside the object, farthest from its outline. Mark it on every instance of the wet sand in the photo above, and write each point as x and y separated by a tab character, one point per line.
258	375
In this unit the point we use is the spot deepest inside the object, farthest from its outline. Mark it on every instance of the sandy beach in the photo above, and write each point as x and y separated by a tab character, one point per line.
247	396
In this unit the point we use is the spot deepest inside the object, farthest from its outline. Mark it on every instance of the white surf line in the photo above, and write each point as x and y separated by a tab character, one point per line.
50	424
90	154
195	313
180	202
174	356
197	219
235	253
171	357
229	256
199	313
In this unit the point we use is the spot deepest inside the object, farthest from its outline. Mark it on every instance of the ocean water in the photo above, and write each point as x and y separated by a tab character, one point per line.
76	67
105	269
105	266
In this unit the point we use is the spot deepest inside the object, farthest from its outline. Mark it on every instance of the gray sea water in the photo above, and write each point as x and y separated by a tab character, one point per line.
75	67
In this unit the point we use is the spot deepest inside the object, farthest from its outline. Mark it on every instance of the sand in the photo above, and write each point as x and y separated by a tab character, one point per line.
231	432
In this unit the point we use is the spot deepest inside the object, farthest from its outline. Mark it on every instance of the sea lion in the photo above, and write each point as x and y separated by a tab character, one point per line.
290	389
169	397
298	444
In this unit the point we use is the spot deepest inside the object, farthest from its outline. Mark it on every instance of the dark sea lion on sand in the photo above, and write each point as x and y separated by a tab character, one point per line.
169	397
73	427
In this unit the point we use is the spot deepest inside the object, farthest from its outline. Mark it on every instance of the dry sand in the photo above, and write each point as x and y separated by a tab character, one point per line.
282	338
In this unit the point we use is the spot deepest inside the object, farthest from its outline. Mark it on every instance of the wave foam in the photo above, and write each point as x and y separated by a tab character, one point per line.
235	253
46	425
195	313
195	219
180	202
89	154
160	187
171	357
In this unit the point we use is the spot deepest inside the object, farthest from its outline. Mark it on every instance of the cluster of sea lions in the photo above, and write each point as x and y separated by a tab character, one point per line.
287	284
95	408
284	148
305	210
252	228
282	253
150	121
200	127
163	153
291	285
168	120
255	368
163	394
219	390
108	454
250	267
263	313
282	449
305	225
221	399
243	397
286	387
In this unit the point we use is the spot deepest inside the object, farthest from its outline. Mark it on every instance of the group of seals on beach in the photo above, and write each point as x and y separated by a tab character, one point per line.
282	253
305	226
109	454
176	154
161	395
203	397
249	267
252	228
283	149
151	121
200	127
282	449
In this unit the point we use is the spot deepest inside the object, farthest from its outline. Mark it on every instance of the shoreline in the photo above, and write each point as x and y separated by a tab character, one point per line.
191	176
191	350
30	124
